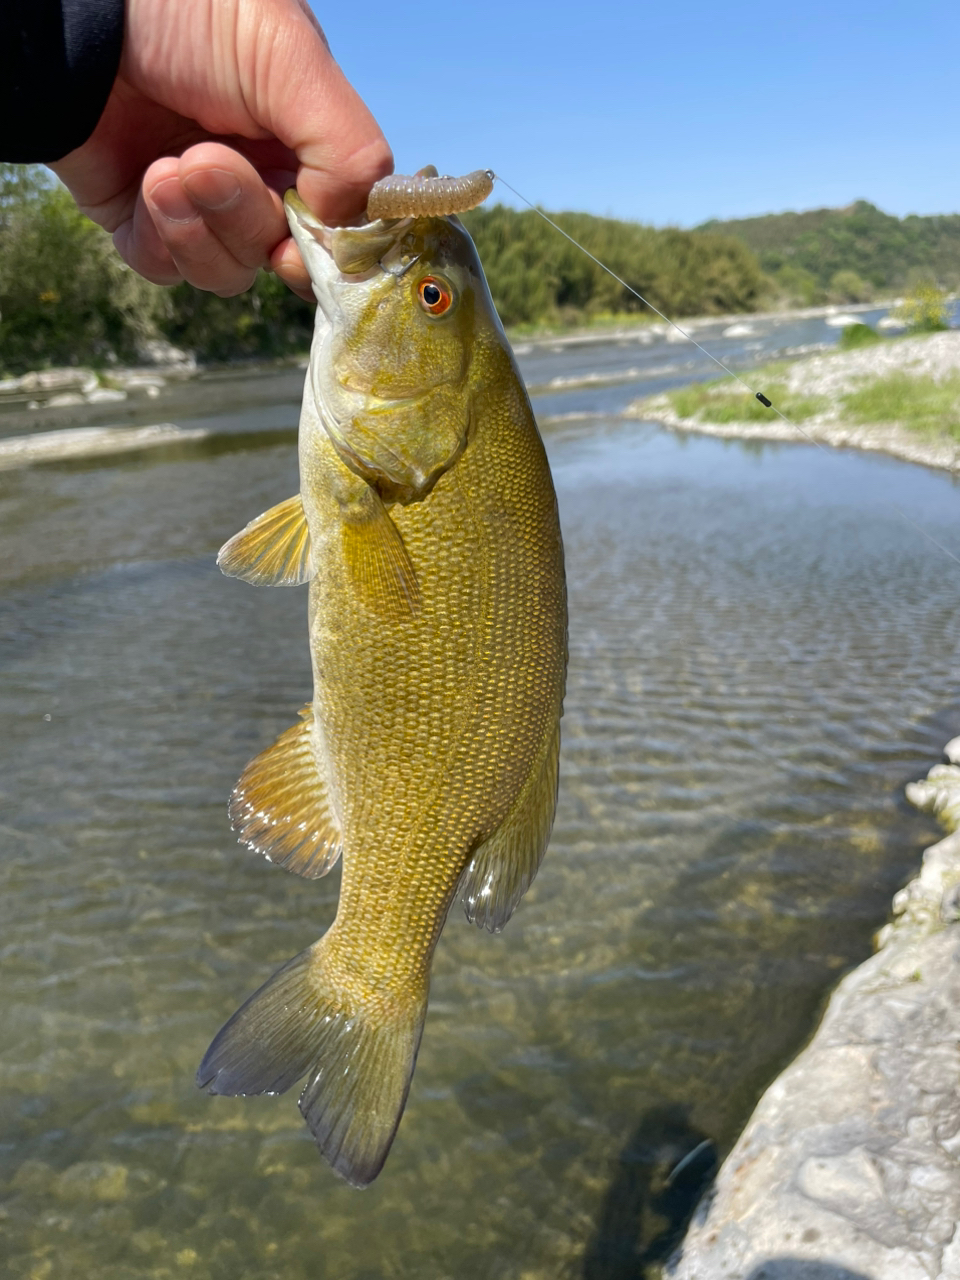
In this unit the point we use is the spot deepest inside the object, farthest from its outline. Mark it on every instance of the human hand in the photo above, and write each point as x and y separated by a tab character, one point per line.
218	107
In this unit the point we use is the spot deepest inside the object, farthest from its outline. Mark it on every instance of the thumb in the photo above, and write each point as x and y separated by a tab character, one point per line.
298	92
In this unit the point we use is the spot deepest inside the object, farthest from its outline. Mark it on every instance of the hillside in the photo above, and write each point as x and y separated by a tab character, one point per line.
805	252
537	277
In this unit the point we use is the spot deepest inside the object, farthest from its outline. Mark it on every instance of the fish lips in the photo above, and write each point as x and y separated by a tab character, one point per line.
331	253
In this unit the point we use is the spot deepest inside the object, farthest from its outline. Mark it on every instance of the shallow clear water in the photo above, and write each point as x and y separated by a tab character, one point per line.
762	654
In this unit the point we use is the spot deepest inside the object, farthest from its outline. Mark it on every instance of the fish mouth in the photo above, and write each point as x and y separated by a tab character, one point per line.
357	251
313	237
297	212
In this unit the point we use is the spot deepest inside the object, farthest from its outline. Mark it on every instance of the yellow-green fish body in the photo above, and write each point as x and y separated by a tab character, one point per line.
427	527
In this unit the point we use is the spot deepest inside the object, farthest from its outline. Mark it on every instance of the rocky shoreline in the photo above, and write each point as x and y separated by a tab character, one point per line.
849	1168
70	387
644	328
831	375
160	362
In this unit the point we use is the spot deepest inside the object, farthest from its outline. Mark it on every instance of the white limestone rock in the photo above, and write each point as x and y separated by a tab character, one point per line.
849	1168
106	395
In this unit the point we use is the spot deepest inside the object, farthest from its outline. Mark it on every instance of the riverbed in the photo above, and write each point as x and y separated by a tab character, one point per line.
762	655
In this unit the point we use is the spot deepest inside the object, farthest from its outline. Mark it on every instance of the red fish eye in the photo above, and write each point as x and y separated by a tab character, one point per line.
434	296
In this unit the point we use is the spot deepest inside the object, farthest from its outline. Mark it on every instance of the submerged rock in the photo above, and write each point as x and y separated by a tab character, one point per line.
93	1180
65	400
105	1182
849	1168
106	395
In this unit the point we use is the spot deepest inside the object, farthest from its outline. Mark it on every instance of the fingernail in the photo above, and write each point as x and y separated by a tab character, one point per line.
171	202
213	188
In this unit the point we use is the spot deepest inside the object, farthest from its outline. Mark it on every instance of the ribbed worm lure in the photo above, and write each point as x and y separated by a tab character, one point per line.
427	195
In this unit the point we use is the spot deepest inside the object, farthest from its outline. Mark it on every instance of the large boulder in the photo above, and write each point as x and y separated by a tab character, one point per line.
849	1168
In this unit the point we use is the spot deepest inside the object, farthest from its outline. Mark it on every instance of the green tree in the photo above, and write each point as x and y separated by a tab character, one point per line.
797	286
65	295
266	321
847	286
536	276
19	184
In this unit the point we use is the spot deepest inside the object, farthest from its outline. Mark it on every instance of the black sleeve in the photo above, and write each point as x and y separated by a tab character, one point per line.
58	62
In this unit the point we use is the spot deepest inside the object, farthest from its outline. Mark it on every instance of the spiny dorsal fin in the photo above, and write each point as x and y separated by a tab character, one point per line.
377	560
281	806
273	550
502	868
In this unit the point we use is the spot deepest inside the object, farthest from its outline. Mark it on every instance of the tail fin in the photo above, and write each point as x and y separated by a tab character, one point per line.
360	1060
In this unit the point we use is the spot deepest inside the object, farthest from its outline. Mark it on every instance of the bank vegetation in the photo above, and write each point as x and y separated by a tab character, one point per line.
849	255
67	298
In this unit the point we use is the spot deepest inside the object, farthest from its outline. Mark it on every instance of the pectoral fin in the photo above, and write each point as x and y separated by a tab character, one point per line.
377	560
281	807
273	550
502	868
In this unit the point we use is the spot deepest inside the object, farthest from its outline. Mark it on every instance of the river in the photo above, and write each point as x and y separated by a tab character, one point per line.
762	653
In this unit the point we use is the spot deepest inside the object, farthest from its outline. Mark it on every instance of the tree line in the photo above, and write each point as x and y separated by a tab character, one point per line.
66	297
850	254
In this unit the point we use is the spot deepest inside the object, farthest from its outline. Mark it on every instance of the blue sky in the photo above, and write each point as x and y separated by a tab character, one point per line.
670	113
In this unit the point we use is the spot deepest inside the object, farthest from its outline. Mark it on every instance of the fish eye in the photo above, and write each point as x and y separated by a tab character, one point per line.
434	295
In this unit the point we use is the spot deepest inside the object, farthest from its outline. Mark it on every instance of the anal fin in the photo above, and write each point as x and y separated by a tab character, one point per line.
377	561
273	550
503	866
281	808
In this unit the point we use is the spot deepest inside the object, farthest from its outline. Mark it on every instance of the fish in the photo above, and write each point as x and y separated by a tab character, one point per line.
427	528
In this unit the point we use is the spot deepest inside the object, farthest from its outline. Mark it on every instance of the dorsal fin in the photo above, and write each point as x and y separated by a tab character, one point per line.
273	550
281	805
502	868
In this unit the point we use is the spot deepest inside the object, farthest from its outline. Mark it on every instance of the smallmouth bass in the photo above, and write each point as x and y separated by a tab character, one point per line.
427	528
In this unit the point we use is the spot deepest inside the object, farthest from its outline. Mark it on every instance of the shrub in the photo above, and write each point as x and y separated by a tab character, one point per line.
924	309
858	335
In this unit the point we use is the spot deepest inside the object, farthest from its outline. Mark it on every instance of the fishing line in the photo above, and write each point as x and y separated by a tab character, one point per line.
719	363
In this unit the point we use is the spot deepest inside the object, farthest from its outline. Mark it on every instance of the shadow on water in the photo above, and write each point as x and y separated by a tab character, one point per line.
661	1174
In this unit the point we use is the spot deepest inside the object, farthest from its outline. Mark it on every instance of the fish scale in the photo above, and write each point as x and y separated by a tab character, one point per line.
427	527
